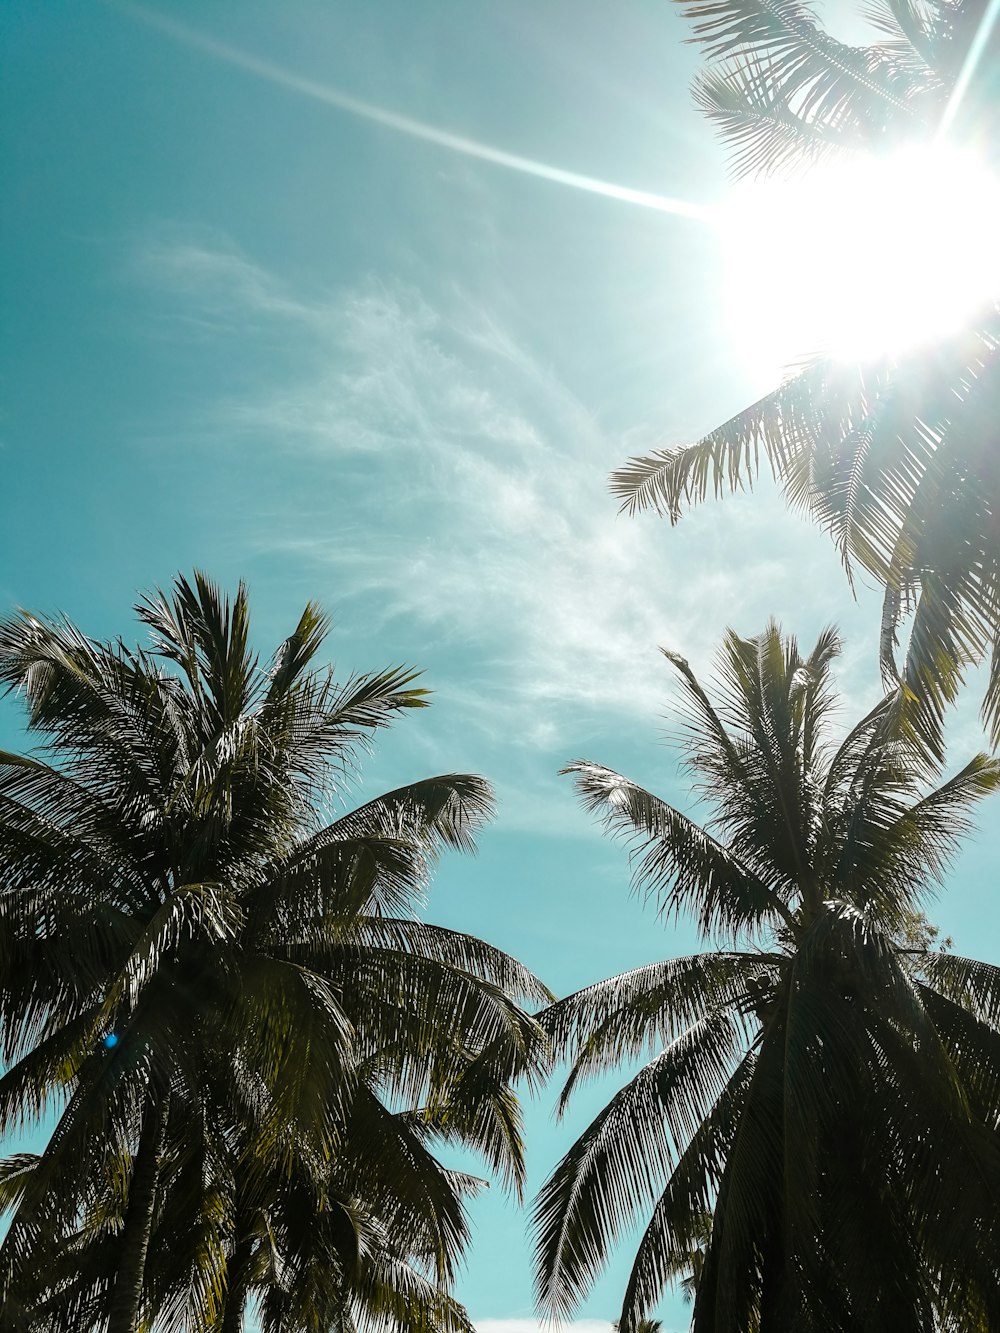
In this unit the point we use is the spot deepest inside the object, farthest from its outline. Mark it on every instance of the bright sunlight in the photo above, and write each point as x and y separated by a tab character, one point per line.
861	259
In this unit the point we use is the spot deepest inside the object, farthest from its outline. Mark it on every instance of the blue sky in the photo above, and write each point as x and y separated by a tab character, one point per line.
249	330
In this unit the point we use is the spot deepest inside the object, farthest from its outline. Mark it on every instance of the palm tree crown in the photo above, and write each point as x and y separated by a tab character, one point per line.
826	1092
897	457
221	983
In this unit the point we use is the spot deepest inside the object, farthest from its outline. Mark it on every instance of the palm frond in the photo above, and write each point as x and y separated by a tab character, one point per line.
745	1211
401	1180
378	857
455	948
620	1158
972	984
676	862
754	115
676	1224
623	1017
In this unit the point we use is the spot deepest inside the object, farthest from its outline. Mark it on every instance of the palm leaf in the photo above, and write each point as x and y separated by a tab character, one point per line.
674	861
618	1160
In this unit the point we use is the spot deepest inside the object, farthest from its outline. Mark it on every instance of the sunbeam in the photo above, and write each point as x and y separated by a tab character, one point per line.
416	129
975	53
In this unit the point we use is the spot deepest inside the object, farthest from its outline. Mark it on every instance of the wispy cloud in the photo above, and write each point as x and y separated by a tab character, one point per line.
466	494
537	1326
213	284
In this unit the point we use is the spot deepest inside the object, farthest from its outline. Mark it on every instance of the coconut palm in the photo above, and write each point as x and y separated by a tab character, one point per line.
826	1090
221	986
896	458
314	1258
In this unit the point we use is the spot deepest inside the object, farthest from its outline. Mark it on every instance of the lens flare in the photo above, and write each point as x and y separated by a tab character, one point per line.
873	256
415	129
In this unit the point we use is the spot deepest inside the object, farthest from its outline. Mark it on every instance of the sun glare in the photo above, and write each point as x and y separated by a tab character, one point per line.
870	257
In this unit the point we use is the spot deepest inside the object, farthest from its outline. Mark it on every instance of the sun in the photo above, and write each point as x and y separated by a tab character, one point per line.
866	258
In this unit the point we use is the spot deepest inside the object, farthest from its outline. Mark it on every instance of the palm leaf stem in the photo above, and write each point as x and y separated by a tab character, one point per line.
127	1296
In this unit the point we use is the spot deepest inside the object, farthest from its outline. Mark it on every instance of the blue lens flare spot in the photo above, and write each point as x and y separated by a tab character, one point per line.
111	1041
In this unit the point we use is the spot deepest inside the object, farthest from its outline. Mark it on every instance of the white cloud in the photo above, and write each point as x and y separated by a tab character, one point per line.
466	494
214	284
539	1326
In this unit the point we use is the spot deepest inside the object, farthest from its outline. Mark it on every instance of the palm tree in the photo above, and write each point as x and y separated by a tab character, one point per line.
224	989
895	458
315	1259
826	1090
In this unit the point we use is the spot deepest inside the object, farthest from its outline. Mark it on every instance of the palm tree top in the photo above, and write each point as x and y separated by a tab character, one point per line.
894	457
788	828
784	92
208	683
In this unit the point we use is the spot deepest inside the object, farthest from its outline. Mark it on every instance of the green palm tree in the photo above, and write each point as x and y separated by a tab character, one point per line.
826	1091
313	1258
895	458
224	989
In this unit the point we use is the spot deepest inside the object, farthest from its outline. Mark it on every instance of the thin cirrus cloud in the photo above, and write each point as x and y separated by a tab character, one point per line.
466	494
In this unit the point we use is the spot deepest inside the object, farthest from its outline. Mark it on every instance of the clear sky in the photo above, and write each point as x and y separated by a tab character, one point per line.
247	328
